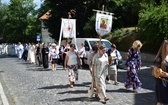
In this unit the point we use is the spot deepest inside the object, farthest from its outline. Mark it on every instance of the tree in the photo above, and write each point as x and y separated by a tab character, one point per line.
81	10
20	21
3	10
153	23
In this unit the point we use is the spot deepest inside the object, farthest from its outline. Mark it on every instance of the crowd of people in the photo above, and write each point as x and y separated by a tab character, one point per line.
102	64
41	54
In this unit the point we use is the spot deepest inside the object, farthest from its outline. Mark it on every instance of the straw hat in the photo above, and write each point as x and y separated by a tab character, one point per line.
53	44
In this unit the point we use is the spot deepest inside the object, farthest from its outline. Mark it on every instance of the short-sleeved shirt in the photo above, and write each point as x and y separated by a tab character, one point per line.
72	58
99	64
54	53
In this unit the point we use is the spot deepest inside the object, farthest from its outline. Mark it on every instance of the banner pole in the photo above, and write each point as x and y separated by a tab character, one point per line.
100	35
59	43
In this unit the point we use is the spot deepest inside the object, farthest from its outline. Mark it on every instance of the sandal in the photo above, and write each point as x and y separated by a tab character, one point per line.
116	83
71	86
135	91
97	97
106	99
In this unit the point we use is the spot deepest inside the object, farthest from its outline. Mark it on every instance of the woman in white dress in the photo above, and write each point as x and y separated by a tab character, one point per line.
31	53
100	70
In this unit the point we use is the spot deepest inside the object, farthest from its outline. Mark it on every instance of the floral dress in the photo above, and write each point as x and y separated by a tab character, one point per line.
134	62
72	66
161	86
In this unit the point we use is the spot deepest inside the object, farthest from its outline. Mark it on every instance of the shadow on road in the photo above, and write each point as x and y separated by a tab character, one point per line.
74	92
145	99
145	76
55	87
82	99
39	69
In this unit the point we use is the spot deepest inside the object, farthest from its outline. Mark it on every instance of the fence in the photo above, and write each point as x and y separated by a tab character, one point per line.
6	49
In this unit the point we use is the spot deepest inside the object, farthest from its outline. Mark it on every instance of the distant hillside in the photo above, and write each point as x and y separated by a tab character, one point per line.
124	38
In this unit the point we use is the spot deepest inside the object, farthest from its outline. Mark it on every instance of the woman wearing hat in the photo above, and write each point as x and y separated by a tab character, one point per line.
54	55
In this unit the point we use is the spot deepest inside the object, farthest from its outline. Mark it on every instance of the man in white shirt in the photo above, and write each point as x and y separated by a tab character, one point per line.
115	54
20	50
81	52
64	49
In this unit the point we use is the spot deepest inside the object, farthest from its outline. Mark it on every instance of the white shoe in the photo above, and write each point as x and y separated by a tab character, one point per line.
131	89
108	82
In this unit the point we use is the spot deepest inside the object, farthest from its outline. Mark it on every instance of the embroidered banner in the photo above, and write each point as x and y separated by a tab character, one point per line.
68	28
103	23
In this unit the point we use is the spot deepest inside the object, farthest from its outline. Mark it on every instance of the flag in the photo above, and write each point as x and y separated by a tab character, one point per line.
103	23
68	28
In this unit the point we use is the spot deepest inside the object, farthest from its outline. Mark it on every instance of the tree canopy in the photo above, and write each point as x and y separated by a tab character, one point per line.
19	21
126	14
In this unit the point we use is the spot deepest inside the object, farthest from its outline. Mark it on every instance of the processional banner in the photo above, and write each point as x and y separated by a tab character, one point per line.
68	29
103	24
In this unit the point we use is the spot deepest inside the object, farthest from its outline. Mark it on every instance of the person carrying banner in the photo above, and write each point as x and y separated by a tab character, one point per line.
100	70
64	49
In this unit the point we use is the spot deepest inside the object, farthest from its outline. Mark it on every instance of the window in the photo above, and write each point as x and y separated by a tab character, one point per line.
86	46
106	43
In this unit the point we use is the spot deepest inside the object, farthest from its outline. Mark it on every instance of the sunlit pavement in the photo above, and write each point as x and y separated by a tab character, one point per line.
29	84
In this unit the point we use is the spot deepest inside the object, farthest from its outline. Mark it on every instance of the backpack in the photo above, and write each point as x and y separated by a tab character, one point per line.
118	55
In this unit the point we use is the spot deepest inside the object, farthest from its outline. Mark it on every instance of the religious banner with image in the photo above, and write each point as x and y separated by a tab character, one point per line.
103	23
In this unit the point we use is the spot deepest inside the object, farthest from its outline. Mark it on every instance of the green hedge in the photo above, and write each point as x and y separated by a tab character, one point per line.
124	42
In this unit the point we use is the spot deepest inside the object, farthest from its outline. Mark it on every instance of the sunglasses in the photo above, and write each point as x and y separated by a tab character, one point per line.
104	50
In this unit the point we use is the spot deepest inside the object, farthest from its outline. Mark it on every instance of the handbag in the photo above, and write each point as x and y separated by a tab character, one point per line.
157	74
113	67
91	90
79	61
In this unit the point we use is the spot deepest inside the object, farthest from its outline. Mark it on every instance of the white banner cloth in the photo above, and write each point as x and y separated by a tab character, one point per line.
68	29
103	23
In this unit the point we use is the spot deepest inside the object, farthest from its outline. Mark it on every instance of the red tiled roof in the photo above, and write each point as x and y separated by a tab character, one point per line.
45	16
